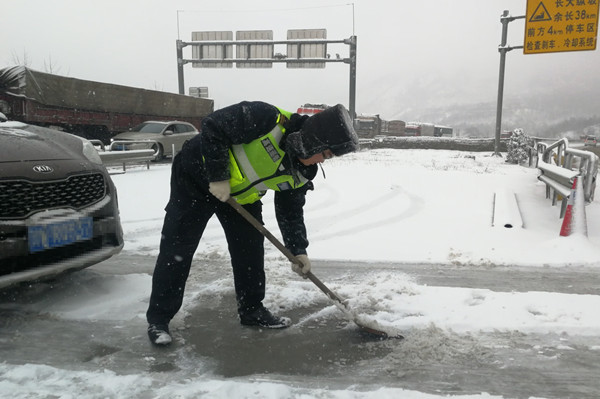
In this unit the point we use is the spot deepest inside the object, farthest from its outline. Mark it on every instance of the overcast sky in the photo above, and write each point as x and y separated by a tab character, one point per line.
448	45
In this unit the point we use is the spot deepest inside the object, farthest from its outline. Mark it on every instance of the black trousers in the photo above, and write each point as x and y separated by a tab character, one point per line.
181	233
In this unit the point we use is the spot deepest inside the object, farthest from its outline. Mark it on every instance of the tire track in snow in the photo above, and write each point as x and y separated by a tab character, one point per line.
415	205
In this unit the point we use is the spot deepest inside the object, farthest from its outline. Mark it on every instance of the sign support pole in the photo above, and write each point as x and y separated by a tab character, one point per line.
352	95
180	81
503	49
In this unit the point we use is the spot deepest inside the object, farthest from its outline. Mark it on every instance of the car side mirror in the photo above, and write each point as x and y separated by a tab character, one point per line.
168	132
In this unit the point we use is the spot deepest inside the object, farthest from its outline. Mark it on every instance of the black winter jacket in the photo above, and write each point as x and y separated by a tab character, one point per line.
205	158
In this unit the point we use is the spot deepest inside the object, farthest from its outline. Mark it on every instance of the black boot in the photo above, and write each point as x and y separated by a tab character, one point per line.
261	317
159	334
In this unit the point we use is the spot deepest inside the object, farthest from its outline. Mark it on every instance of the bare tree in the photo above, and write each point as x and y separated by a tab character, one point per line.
49	66
158	87
24	61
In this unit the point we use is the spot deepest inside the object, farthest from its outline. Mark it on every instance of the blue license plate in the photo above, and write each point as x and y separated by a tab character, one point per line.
59	234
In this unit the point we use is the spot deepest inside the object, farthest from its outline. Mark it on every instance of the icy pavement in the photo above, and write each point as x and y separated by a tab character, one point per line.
322	352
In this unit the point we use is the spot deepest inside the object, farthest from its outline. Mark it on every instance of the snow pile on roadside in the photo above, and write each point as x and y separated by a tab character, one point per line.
38	381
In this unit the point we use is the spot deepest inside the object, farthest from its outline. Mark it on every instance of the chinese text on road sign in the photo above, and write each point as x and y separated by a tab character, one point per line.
560	25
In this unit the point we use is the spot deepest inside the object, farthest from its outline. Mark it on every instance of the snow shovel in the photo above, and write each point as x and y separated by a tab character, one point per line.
362	324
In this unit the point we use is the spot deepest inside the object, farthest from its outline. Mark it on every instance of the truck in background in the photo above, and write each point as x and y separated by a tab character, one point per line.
412	129
369	126
365	126
393	128
443	131
311	109
427	129
419	129
93	110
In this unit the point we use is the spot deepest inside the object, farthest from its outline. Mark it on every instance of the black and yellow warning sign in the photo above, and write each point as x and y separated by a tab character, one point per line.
560	25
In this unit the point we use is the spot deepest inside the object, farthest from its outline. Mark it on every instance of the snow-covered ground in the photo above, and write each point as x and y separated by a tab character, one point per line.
379	206
424	206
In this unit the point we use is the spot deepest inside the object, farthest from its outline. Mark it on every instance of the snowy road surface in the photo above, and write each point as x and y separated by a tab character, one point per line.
40	325
487	312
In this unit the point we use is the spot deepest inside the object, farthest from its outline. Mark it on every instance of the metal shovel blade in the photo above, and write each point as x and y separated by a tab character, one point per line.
364	325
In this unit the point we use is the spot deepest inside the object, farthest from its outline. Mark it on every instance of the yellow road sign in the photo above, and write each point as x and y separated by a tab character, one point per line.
560	25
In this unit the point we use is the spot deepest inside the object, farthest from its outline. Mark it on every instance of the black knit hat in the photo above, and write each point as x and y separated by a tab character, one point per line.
330	129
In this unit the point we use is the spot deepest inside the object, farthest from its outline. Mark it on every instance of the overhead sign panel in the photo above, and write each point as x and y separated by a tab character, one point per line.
561	25
306	50
212	51
254	51
201	92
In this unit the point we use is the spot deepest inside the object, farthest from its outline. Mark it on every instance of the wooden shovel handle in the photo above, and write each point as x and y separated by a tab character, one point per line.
254	222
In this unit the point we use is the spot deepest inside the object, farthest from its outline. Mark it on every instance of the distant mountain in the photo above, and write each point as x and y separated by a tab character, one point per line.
547	110
544	118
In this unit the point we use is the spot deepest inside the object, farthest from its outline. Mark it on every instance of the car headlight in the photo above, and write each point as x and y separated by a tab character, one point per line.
90	152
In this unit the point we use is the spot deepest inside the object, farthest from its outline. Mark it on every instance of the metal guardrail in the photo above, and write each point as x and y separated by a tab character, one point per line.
560	165
110	156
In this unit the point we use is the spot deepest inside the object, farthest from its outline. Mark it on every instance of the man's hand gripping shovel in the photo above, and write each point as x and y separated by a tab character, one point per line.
365	325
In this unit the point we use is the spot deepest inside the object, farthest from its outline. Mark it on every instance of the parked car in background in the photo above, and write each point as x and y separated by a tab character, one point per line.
590	140
161	136
58	204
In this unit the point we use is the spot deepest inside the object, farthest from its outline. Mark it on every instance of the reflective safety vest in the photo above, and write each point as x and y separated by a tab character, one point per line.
256	167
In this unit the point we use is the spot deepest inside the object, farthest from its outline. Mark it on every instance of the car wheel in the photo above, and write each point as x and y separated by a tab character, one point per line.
160	153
